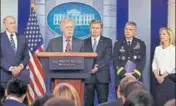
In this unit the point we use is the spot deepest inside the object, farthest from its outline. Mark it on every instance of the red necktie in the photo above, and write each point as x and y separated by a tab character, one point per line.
68	48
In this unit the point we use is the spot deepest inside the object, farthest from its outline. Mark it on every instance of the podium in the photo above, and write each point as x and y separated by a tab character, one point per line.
69	67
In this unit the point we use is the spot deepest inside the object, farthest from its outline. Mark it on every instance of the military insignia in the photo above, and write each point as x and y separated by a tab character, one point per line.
139	57
122	49
137	46
135	57
117	67
123	57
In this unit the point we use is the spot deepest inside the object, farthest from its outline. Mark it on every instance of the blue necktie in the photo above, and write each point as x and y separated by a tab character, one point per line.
12	42
94	45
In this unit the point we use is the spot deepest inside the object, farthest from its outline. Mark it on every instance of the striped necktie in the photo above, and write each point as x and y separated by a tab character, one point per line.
12	42
68	46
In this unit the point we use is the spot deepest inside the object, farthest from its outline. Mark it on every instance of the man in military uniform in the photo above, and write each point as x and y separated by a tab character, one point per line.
129	49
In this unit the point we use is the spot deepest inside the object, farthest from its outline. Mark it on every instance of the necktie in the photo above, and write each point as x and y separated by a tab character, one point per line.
129	43
12	42
94	45
68	48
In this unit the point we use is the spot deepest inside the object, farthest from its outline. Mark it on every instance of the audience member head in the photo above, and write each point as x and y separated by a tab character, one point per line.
166	36
2	94
130	30
16	88
67	91
10	24
59	101
135	85
67	27
96	28
171	102
139	98
123	83
41	100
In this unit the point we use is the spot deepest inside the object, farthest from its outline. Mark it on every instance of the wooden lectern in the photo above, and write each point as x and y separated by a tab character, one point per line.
69	67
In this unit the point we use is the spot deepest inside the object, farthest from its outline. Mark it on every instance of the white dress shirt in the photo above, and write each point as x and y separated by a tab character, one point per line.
12	98
164	59
14	38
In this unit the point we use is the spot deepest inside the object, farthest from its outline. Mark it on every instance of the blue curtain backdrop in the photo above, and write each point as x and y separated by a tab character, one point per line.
23	15
122	17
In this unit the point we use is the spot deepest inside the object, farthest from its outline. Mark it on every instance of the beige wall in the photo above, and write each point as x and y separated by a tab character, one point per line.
8	7
171	14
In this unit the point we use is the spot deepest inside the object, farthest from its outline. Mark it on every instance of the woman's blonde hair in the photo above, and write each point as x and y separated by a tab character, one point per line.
67	91
170	33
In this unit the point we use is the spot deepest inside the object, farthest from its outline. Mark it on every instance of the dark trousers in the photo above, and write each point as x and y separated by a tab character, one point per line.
165	92
102	93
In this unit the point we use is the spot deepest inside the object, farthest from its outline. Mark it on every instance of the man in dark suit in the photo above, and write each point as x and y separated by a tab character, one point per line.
16	92
129	49
100	76
66	43
13	54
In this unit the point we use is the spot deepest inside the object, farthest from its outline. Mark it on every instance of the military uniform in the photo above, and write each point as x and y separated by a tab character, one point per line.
136	52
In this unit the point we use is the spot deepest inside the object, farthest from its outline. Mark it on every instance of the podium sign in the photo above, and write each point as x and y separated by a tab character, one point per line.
69	63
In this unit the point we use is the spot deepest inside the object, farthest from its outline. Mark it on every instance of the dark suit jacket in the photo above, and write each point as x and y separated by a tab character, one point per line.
56	45
104	51
13	103
112	103
123	53
11	58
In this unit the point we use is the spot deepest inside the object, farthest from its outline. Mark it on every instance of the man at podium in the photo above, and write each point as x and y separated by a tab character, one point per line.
66	42
100	76
129	54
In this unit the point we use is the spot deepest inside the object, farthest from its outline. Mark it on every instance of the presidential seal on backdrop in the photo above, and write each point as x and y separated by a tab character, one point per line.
81	13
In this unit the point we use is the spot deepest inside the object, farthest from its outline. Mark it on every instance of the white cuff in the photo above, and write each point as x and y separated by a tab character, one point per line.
11	67
22	65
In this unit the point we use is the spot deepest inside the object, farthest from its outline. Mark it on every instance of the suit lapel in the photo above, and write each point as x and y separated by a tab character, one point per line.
90	44
61	44
8	45
100	44
18	43
133	42
74	44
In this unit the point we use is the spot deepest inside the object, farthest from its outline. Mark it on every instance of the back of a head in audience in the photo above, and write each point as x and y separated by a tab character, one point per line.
41	100
67	91
123	83
16	88
59	101
171	102
139	98
131	87
2	94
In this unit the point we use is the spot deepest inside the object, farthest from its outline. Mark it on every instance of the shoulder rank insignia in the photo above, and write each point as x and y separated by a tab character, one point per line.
137	46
